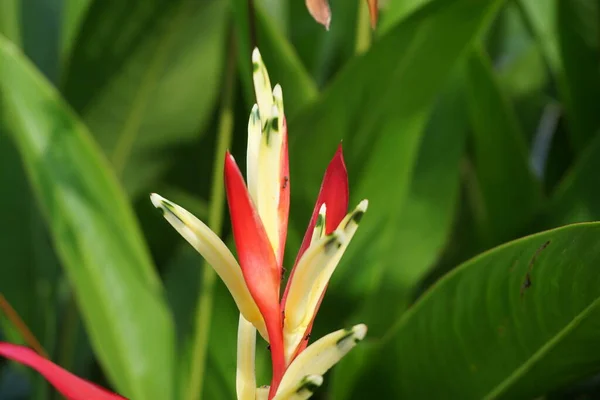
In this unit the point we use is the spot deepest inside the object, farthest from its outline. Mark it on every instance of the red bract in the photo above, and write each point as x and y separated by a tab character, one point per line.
261	270
69	385
334	193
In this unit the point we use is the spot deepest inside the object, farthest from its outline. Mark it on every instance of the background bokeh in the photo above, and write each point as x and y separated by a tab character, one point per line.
466	123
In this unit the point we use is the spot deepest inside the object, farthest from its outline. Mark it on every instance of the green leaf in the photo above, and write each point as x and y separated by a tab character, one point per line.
398	10
73	14
579	33
541	18
144	89
379	106
479	333
94	232
510	195
422	228
577	198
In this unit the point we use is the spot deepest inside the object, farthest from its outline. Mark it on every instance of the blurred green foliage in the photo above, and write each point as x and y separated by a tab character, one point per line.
469	125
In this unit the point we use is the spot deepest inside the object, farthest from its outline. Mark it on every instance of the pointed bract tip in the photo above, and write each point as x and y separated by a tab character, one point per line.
277	92
363	205
310	383
360	331
323	209
256	55
156	200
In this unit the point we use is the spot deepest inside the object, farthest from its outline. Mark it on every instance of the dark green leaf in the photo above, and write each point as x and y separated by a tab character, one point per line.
510	195
579	39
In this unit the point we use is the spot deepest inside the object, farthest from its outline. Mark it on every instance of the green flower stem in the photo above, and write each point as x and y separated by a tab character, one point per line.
215	222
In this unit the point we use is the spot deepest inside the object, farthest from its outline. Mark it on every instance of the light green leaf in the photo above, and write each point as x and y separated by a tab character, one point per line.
481	333
144	89
540	16
94	232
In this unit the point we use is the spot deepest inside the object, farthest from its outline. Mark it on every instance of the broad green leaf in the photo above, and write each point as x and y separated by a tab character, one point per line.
579	39
577	198
423	228
480	333
379	106
144	89
427	213
280	58
510	195
94	232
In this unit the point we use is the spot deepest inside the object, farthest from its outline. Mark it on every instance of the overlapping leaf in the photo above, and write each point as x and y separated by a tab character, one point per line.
514	322
93	230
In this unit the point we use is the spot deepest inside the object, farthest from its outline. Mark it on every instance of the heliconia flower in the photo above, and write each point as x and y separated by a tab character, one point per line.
259	210
259	218
320	11
67	384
